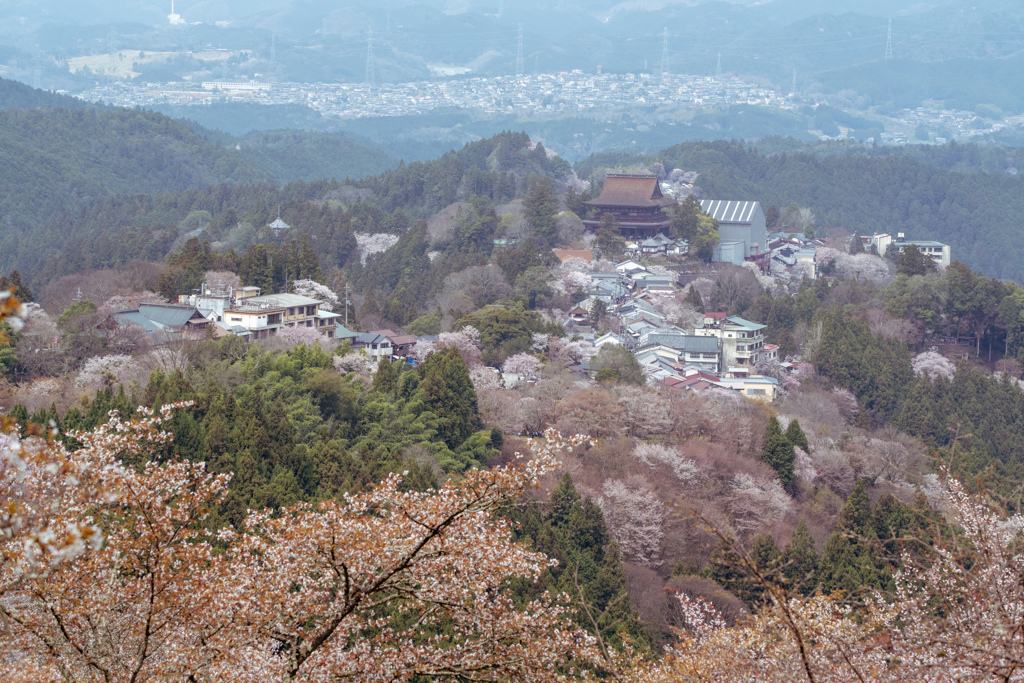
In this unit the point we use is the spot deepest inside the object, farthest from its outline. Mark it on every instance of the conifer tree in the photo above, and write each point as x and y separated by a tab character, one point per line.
778	453
694	298
799	561
385	380
848	562
449	392
856	245
795	435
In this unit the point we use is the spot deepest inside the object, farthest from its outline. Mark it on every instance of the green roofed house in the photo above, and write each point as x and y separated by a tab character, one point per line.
742	341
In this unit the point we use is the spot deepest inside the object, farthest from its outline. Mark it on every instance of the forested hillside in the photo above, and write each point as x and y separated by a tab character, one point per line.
977	213
61	155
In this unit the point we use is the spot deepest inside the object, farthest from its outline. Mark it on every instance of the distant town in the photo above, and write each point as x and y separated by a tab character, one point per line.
557	94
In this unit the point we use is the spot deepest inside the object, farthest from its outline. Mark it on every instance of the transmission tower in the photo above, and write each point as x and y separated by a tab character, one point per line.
792	90
501	8
273	47
718	70
888	42
371	74
519	53
664	52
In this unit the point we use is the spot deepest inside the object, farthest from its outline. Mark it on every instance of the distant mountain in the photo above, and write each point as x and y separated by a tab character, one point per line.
290	155
15	95
60	154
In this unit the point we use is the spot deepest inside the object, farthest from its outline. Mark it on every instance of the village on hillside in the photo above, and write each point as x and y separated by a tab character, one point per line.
689	352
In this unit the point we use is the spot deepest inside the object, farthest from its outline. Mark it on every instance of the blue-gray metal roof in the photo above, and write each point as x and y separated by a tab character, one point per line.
136	318
168	315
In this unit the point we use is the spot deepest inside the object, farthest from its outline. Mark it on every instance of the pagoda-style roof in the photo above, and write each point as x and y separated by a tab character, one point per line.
633	191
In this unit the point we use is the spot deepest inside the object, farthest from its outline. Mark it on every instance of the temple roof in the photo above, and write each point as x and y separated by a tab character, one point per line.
642	191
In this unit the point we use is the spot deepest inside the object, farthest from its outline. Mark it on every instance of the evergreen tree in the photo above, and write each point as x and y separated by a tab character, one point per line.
449	392
795	435
849	560
778	453
255	270
799	561
694	298
385	380
541	207
609	239
910	261
369	306
309	262
856	245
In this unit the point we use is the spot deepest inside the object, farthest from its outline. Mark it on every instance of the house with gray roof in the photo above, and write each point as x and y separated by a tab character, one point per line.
162	322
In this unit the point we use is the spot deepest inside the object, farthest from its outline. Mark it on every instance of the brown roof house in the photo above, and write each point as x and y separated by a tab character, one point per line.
636	203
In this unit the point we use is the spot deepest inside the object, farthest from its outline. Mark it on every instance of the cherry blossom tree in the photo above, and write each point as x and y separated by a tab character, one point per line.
105	371
687	471
356	362
757	502
466	340
383	585
148	605
221	280
956	615
314	290
932	364
637	519
522	364
370	244
288	337
349	588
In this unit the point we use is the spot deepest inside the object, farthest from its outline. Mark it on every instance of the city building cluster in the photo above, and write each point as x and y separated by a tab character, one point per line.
570	92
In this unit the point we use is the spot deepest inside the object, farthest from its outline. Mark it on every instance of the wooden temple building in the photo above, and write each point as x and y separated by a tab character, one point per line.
635	201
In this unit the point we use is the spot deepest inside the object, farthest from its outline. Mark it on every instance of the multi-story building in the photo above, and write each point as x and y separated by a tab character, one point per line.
742	233
742	341
266	314
940	253
937	251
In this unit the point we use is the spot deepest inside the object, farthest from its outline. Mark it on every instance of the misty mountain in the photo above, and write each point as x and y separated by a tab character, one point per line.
58	159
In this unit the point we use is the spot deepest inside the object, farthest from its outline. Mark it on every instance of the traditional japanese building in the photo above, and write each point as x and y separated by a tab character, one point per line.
635	201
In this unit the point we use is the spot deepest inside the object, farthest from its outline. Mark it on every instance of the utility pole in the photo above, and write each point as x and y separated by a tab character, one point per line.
519	53
664	53
371	74
347	302
888	42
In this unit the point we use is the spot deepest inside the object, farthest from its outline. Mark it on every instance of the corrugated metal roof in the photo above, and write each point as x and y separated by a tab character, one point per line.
136	318
729	211
168	315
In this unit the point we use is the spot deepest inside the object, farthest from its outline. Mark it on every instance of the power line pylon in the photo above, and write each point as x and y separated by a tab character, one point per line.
888	42
664	53
371	73
519	53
